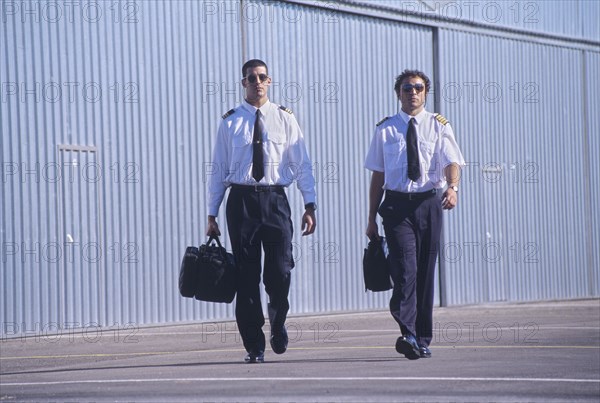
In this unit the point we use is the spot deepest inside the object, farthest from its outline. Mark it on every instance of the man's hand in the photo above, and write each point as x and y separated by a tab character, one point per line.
449	199
372	231
212	229
309	222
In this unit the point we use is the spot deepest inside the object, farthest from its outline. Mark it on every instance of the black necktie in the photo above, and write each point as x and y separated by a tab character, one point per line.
258	169
414	170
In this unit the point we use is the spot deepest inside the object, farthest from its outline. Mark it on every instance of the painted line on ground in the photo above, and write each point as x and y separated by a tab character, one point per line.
75	333
303	379
237	350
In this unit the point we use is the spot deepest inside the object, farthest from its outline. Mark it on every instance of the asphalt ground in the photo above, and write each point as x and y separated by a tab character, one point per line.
540	352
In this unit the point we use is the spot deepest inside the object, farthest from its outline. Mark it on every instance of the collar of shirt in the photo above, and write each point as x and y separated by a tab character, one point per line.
252	109
418	117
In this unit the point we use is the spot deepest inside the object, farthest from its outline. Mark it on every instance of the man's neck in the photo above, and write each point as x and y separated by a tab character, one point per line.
257	103
413	112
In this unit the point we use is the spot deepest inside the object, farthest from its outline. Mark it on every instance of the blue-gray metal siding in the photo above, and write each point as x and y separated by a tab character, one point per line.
590	86
571	19
520	231
96	236
108	117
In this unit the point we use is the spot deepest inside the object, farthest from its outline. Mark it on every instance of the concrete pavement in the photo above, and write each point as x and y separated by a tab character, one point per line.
541	352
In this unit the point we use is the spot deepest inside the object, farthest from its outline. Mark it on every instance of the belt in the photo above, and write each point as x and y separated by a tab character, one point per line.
257	188
411	196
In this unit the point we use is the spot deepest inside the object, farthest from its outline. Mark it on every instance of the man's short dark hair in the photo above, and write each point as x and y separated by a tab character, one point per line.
253	63
412	73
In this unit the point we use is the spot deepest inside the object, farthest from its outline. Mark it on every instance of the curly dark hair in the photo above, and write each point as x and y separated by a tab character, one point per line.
411	73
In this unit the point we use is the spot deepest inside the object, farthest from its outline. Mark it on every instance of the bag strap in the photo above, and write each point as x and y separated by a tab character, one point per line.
214	238
221	249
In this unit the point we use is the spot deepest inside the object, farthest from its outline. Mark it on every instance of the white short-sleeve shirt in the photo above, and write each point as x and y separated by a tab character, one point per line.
286	156
437	149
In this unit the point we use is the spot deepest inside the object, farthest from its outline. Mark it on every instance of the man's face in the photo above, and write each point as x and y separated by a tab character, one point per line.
256	83
412	95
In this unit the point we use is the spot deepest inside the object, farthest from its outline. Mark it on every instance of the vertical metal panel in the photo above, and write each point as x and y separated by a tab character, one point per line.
182	51
336	72
591	83
517	236
81	281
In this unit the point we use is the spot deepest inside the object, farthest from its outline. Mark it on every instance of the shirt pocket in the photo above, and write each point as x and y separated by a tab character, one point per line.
276	137
275	146
241	140
428	157
394	157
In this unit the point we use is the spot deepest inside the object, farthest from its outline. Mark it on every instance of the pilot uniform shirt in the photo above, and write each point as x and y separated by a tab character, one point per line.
437	149
285	156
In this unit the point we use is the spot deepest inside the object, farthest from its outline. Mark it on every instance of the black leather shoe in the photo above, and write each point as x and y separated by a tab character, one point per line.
279	341
424	352
253	358
408	346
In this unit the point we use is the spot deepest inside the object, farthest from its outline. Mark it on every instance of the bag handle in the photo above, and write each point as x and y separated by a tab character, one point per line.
214	238
221	249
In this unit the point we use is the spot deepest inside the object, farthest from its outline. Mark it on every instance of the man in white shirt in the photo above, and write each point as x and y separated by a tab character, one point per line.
412	155
259	151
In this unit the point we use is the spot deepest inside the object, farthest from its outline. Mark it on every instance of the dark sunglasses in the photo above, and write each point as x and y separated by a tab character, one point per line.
409	87
254	79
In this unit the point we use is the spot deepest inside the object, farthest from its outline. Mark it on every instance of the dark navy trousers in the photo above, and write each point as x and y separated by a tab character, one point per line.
260	221
412	229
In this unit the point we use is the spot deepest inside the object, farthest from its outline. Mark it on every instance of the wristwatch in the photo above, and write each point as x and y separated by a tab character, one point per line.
312	206
455	188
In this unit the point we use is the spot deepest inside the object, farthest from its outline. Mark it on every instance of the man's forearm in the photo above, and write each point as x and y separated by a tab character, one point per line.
375	193
452	173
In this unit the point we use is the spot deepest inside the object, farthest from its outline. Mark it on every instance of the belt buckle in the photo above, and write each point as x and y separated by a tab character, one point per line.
256	188
411	196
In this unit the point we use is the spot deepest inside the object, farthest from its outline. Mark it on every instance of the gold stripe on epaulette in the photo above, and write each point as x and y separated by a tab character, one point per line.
382	120
288	110
441	119
229	113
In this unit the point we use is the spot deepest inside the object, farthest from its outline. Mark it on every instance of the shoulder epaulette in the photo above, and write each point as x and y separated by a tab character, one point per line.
229	113
441	119
288	110
382	120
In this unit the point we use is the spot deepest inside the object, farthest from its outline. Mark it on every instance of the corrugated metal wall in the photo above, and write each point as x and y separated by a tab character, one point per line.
519	233
108	113
106	128
572	19
590	87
